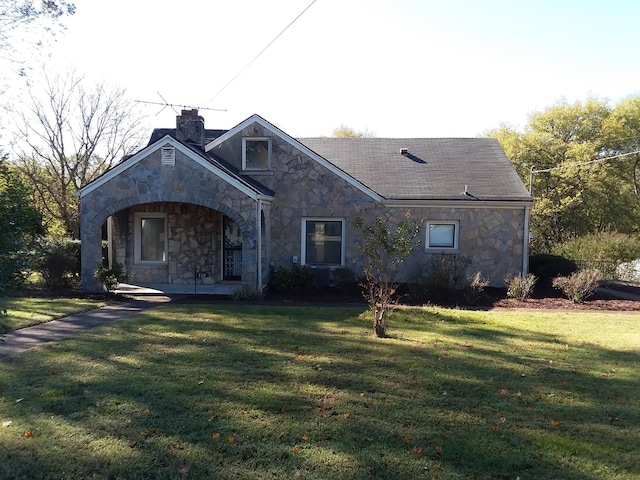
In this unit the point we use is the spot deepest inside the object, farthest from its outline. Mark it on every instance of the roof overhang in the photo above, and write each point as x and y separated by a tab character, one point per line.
494	204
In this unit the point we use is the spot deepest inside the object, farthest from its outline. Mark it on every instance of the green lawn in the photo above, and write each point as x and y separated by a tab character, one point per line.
26	311
260	392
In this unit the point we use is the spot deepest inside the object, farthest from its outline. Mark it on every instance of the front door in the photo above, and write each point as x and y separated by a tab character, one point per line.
231	250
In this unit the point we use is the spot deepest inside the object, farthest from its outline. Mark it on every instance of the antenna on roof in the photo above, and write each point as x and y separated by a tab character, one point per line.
166	104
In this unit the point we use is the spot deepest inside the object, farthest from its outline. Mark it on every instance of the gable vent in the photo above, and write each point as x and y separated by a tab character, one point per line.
168	156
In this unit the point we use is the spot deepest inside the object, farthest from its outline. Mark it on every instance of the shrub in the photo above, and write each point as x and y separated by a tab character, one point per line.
58	261
546	267
519	286
441	274
109	278
580	285
603	246
477	284
297	280
247	293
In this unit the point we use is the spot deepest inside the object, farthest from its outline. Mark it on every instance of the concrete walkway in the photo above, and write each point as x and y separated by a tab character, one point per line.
18	341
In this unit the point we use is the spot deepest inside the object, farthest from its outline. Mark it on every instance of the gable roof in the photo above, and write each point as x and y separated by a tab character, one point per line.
255	118
432	168
217	166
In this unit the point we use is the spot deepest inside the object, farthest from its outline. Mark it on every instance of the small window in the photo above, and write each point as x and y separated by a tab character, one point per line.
256	153
150	237
323	242
168	156
443	235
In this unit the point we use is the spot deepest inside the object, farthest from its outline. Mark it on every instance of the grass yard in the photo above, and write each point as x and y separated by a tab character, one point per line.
26	311
264	392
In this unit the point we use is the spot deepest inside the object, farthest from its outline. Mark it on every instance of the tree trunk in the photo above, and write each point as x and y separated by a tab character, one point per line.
380	322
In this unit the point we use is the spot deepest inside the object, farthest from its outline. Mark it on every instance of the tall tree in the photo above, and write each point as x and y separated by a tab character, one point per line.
29	23
68	134
571	201
20	223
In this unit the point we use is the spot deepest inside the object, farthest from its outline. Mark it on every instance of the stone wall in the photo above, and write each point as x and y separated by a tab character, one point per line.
193	250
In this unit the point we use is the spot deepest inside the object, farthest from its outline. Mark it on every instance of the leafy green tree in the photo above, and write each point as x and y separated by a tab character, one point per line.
347	132
572	201
20	224
384	248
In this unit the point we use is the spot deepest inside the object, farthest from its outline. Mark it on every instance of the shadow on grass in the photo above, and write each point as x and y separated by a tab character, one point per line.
309	393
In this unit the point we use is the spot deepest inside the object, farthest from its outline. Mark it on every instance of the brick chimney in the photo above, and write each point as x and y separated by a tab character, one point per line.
190	128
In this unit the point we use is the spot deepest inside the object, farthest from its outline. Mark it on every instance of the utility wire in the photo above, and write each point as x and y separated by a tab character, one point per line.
585	163
260	53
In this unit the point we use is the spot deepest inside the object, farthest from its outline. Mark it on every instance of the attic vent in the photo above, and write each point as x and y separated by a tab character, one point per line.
404	151
168	156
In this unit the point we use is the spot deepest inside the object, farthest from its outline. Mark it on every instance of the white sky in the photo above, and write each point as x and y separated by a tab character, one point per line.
398	68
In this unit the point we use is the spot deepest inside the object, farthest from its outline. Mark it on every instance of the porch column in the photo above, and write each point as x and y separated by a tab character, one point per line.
91	255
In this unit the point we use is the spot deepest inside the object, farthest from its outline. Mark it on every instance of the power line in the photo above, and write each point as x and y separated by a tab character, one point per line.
260	53
598	160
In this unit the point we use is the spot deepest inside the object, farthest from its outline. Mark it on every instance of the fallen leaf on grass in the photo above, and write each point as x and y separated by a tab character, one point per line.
405	440
417	450
184	469
296	449
7	423
555	421
28	434
346	415
439	449
305	437
232	439
216	436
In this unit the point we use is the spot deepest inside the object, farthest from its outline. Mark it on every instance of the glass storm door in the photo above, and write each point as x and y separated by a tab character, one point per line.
231	250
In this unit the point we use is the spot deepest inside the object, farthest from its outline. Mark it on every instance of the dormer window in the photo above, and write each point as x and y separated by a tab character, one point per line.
256	153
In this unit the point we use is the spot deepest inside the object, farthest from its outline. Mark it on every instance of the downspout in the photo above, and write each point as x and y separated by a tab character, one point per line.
525	242
259	256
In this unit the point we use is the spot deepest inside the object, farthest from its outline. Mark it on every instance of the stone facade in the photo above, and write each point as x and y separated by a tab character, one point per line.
149	186
196	198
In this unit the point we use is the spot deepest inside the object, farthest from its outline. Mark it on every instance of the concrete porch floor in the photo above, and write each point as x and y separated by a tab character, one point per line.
226	289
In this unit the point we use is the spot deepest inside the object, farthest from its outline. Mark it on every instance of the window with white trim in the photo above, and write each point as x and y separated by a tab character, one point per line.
442	235
256	153
323	241
150	237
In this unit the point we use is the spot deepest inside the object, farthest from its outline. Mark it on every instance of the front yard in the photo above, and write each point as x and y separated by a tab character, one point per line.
270	392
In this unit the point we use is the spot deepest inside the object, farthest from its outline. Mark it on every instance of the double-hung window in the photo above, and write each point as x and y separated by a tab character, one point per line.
150	234
256	153
323	241
443	235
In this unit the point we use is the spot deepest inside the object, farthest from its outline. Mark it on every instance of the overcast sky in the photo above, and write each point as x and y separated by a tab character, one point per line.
398	68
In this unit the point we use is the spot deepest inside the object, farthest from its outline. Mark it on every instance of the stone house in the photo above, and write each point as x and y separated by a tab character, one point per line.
209	207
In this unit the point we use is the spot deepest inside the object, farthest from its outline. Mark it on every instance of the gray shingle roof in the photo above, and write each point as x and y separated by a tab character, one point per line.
433	168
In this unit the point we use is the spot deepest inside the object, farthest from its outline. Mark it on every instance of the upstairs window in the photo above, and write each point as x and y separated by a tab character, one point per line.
256	153
443	235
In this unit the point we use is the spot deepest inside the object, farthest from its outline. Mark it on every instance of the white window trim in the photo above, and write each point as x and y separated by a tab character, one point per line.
137	237
456	236
303	236
244	153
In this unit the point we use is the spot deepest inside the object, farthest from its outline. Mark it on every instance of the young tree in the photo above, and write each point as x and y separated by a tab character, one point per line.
20	224
69	134
384	248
